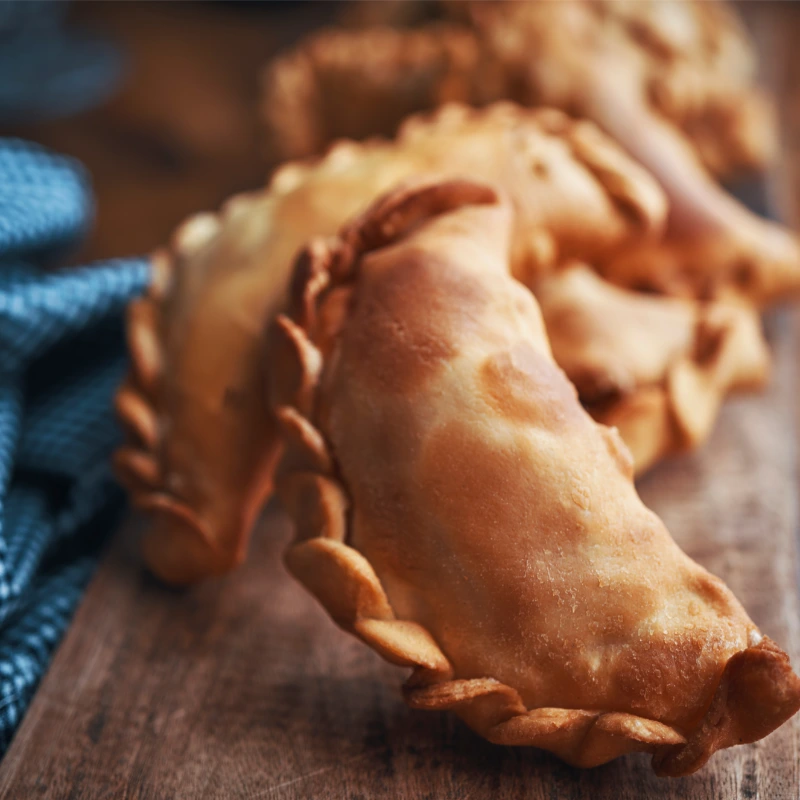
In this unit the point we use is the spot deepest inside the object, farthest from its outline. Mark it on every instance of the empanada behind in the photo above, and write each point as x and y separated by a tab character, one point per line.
672	82
201	440
656	368
461	513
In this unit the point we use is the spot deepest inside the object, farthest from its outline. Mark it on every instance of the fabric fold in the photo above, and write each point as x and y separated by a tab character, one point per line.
62	355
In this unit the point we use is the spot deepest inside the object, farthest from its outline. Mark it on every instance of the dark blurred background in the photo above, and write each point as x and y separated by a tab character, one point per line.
178	130
175	129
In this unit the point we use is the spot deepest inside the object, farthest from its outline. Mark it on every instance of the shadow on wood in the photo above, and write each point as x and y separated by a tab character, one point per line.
244	688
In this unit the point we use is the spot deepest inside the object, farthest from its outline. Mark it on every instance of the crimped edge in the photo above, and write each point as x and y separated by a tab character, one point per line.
345	583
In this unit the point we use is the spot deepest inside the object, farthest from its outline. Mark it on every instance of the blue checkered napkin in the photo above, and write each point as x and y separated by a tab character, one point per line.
48	66
61	357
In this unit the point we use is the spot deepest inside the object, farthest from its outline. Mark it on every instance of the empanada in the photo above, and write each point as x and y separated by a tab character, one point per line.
693	59
201	441
461	513
647	73
672	82
689	62
340	84
655	367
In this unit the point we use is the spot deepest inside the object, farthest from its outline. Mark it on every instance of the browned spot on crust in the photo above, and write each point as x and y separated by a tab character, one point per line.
407	317
650	680
523	383
460	462
714	592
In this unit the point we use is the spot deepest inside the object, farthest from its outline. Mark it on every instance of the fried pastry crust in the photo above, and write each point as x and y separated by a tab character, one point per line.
340	84
460	512
672	82
691	62
657	368
201	443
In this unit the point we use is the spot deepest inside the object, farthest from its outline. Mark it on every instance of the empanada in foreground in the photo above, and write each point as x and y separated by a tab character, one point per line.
460	512
201	439
657	368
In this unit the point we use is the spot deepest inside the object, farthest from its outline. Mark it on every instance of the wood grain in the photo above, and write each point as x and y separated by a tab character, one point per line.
244	688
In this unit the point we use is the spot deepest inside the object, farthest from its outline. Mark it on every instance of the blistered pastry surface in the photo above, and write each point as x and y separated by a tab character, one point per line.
493	539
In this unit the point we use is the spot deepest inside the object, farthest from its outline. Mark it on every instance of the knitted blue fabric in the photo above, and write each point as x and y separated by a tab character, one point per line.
49	67
61	357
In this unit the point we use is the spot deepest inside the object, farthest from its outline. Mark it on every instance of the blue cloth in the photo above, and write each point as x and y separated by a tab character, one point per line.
49	68
61	357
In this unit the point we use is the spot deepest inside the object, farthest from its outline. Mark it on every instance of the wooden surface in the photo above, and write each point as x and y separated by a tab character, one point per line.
243	687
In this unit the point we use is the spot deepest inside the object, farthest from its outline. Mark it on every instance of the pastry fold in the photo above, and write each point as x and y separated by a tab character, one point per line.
460	512
690	63
201	440
656	368
341	84
672	82
692	59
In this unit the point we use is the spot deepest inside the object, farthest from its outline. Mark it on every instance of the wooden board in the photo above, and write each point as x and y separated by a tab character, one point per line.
245	689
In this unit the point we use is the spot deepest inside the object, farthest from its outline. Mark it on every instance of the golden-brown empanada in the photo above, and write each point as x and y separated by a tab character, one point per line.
692	58
201	441
655	367
200	446
672	82
652	74
690	62
460	512
341	84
